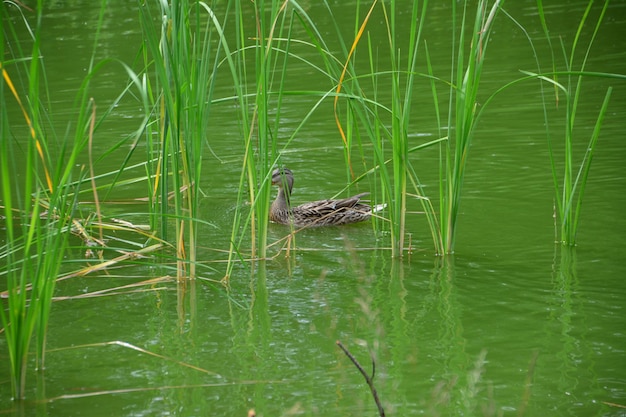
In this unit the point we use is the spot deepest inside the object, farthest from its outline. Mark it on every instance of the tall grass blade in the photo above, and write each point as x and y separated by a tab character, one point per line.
570	185
463	113
585	166
38	207
259	128
184	52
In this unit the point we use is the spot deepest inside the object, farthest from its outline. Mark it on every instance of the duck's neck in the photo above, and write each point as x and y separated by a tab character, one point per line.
282	200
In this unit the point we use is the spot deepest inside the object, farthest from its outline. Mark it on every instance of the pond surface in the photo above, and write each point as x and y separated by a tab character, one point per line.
512	324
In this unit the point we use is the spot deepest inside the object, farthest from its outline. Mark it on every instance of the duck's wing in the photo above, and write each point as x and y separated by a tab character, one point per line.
325	212
325	206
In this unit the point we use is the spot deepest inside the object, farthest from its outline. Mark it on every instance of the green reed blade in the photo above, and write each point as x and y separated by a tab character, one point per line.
583	172
185	53
570	184
42	202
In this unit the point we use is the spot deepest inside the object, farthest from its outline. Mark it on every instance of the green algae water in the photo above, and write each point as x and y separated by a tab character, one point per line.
512	324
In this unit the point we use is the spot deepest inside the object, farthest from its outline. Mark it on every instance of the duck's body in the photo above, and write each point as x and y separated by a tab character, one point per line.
316	213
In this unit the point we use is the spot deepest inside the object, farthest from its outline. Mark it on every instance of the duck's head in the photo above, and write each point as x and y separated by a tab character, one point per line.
282	177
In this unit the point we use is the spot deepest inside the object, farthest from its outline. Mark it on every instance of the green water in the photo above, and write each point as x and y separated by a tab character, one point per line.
512	324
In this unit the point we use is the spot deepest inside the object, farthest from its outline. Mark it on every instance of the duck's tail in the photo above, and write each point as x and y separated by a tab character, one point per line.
378	207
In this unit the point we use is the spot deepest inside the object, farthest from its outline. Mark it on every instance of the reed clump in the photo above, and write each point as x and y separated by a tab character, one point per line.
38	207
384	120
39	185
183	50
571	181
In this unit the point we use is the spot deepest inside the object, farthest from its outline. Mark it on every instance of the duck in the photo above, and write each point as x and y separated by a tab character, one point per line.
316	213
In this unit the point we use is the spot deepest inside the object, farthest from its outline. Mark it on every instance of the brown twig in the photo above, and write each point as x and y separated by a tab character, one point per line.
368	379
528	384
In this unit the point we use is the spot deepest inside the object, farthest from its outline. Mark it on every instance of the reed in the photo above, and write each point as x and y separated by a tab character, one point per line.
27	260
397	173
261	153
38	207
33	254
401	100
569	175
466	71
184	44
240	74
260	91
385	118
186	55
569	185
